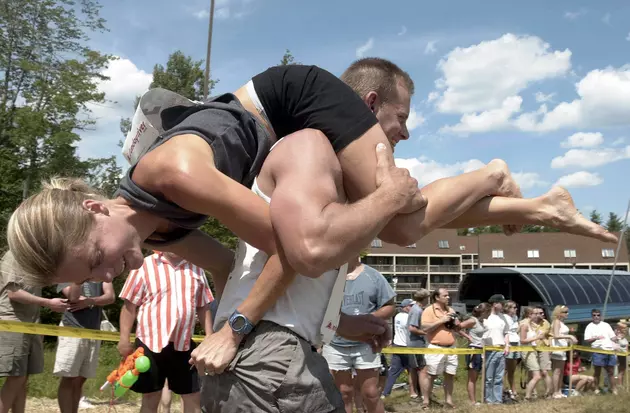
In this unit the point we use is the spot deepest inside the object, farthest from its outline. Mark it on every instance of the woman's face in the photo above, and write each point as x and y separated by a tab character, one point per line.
113	246
564	313
511	309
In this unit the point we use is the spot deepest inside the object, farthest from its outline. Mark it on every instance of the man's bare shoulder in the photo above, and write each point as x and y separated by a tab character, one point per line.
308	150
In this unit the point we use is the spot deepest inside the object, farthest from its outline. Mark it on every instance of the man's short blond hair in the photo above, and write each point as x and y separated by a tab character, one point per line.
373	74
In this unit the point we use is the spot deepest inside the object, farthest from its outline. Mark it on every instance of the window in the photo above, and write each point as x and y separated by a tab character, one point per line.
376	243
608	253
569	254
497	253
412	245
462	248
533	254
443	244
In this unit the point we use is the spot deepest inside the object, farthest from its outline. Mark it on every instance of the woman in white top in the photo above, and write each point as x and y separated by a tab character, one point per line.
560	338
621	330
474	362
511	360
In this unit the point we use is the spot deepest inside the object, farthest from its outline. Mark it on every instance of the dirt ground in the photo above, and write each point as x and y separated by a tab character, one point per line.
399	403
50	405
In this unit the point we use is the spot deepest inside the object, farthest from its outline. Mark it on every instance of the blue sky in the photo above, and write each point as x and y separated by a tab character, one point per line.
543	85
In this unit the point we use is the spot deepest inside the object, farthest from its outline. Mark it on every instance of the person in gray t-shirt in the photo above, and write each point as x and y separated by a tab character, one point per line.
366	292
416	335
77	358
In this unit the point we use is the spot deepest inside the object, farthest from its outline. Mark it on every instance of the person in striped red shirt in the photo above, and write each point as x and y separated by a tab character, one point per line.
165	296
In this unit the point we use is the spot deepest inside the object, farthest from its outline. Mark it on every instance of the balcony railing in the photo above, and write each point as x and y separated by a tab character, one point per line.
444	268
409	286
411	268
448	286
470	261
382	268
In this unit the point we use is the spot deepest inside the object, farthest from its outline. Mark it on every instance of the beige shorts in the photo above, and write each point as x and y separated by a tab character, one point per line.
21	354
438	364
538	361
76	357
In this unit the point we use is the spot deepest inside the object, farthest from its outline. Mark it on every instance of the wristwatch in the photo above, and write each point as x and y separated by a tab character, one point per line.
240	324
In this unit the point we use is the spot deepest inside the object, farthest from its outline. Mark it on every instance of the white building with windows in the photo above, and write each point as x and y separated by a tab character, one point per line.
442	258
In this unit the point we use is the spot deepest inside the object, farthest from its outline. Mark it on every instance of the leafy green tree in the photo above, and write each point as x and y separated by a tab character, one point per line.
288	59
614	223
48	75
596	217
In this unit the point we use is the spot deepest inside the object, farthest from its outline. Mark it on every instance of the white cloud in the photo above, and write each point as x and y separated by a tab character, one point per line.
583	140
224	13
415	119
618	142
363	49
495	119
430	47
579	180
125	82
402	31
202	14
427	171
590	158
483	76
572	15
604	100
542	98
528	180
606	19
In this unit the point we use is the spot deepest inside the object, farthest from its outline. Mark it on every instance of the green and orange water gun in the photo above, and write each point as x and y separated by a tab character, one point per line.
127	372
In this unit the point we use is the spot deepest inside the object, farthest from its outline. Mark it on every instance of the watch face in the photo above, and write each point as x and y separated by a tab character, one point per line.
238	323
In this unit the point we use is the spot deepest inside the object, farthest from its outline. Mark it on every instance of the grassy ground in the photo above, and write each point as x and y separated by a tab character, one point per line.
42	393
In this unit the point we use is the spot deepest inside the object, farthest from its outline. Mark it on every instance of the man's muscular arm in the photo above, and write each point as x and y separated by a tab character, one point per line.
317	230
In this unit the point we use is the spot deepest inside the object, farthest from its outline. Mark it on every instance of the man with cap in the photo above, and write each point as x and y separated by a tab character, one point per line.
417	338
496	335
401	362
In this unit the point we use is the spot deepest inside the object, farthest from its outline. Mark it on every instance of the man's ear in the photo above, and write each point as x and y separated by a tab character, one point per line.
372	101
95	207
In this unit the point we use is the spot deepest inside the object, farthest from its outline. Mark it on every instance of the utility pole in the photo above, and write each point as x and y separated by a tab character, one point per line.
207	76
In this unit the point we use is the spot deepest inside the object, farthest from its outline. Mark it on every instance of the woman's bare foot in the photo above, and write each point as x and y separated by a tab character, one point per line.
560	212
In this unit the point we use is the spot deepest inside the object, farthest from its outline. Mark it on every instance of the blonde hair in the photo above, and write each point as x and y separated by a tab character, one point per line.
46	225
557	310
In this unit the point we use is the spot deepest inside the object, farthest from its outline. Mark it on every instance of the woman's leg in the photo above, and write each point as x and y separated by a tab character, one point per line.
553	209
558	368
510	365
472	385
532	384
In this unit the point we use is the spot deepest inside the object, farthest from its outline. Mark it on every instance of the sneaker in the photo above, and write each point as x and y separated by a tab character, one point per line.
85	404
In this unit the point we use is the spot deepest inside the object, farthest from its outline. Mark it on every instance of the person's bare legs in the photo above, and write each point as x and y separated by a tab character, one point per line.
150	402
367	382
344	382
166	399
458	202
414	383
426	386
510	368
558	369
553	209
10	390
19	403
449	382
191	402
531	385
472	385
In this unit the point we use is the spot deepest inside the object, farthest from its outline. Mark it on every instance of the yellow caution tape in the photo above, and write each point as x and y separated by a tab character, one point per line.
58	331
424	350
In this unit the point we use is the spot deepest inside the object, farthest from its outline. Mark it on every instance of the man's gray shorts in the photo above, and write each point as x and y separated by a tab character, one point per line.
276	371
